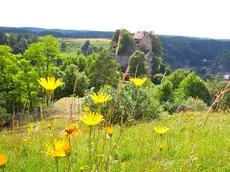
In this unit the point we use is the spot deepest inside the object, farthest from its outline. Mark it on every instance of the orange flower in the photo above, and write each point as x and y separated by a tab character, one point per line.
109	130
67	148
3	161
71	130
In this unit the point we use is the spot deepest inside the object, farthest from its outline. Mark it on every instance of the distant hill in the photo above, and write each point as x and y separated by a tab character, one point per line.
179	51
58	32
189	52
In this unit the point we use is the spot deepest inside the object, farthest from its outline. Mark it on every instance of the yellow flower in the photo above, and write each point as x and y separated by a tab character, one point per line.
3	161
91	118
109	130
58	149
161	130
138	82
72	130
100	98
50	84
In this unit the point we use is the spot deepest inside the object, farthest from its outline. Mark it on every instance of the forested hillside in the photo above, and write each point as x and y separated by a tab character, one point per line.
189	52
201	54
58	32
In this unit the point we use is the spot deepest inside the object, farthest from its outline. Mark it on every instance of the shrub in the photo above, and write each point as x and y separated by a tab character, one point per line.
132	104
164	92
192	86
158	78
195	104
214	88
176	77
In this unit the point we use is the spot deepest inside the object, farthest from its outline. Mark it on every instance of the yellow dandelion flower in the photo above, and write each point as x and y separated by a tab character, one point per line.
100	98
50	84
160	130
58	149
91	118
3	161
71	130
138	82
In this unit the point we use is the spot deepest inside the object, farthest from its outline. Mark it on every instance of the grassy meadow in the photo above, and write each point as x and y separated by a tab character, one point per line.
120	128
186	146
77	43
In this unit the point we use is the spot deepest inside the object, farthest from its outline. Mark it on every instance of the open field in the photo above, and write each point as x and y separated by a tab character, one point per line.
78	42
186	145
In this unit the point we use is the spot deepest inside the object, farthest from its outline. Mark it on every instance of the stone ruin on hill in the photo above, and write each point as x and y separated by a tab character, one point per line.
143	43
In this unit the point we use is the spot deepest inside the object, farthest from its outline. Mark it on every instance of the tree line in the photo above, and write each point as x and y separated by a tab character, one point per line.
91	69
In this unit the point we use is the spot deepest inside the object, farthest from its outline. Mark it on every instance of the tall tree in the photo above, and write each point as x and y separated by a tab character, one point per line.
102	70
44	55
137	64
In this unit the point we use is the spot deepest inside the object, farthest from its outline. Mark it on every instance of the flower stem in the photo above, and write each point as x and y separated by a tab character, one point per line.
69	158
56	159
110	154
90	158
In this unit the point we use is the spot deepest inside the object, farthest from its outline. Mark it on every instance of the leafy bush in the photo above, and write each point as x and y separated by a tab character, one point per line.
195	104
158	78
192	86
176	77
164	92
132	104
214	88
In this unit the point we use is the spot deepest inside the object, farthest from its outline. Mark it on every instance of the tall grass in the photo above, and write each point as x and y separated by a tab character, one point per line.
187	146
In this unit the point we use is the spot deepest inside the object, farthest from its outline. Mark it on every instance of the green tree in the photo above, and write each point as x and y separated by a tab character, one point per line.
192	86
126	42
137	64
75	82
176	77
102	69
3	39
26	85
44	55
157	48
159	67
8	70
157	61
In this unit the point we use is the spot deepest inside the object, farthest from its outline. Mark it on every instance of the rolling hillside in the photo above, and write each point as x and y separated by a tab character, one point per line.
201	54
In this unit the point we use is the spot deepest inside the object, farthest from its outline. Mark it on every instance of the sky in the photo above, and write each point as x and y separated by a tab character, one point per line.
197	18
